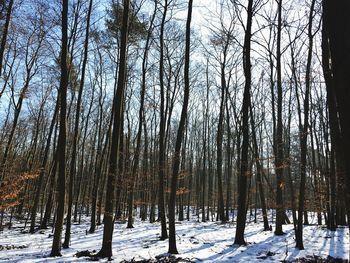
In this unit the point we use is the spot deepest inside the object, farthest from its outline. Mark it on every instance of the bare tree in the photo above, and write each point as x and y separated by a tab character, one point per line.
180	136
244	169
76	130
61	150
161	161
106	249
304	129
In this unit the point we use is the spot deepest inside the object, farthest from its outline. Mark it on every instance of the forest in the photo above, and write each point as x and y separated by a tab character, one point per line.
174	130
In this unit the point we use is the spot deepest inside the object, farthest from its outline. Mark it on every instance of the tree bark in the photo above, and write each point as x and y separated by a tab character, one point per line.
244	169
106	249
336	21
179	137
161	157
141	121
76	132
303	137
279	156
61	150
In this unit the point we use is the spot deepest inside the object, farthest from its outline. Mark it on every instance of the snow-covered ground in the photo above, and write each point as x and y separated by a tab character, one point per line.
198	242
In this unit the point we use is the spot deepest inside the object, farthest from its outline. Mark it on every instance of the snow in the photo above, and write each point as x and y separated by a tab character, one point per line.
196	241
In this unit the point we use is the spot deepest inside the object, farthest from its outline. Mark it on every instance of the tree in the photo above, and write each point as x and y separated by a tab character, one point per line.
61	150
141	120
244	169
72	173
180	136
333	119
221	41
304	129
161	158
106	249
337	77
279	159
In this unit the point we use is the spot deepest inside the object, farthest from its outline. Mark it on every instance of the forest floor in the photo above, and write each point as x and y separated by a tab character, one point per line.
196	242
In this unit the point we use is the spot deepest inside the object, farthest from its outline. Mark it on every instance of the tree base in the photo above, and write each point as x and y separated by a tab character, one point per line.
173	251
267	229
240	243
279	233
103	254
55	254
64	245
299	246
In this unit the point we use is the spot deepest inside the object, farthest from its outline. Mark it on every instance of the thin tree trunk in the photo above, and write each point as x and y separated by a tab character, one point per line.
161	172
61	150
179	137
205	138
229	161
244	169
303	137
279	159
141	121
106	249
76	132
219	139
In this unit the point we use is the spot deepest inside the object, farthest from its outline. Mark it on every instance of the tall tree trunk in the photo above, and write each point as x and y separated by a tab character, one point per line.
106	249
180	135
141	121
244	169
229	161
279	156
333	119
219	139
205	138
303	137
61	150
161	157
336	21
76	132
